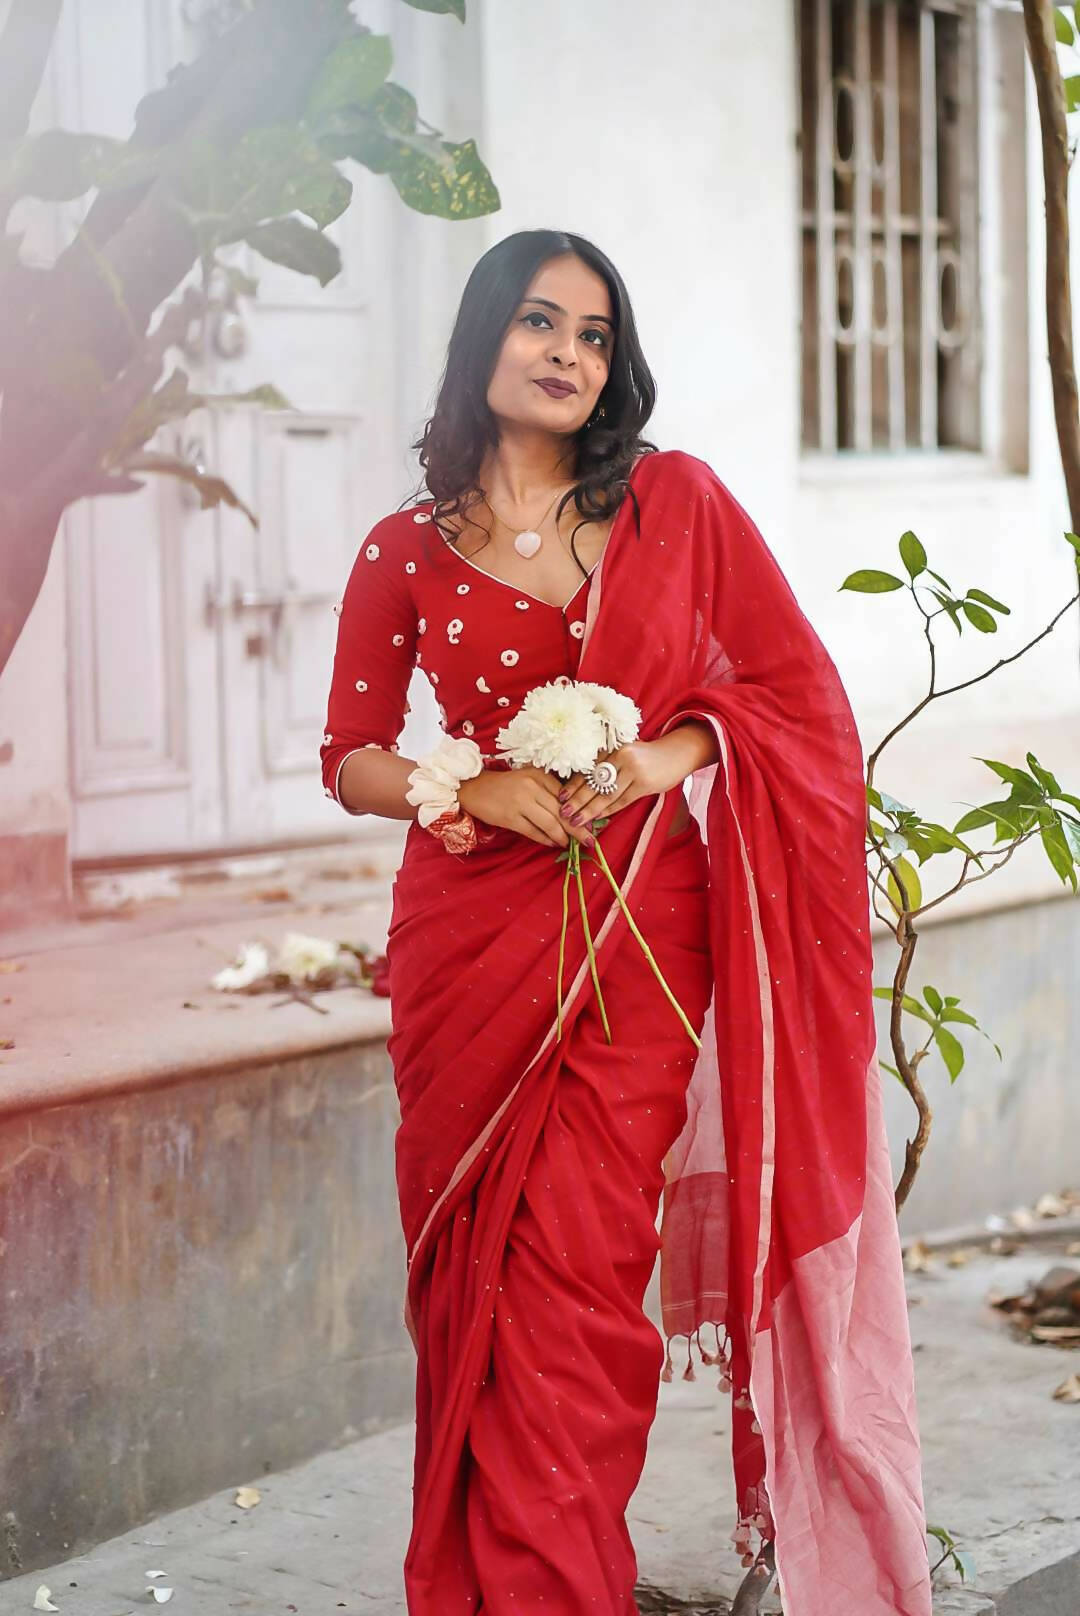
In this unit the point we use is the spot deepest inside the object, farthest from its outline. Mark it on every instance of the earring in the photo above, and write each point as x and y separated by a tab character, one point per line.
598	415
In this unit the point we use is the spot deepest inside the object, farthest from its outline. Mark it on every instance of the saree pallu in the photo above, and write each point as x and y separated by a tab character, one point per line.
778	1224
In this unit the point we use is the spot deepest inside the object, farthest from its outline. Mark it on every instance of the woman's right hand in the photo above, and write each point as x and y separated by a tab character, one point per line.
525	800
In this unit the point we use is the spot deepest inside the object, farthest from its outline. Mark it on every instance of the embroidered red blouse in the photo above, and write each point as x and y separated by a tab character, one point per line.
413	601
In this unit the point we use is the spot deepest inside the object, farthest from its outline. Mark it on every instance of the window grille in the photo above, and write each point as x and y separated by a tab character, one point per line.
890	328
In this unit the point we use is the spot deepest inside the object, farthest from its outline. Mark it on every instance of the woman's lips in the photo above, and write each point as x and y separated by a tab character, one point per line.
557	389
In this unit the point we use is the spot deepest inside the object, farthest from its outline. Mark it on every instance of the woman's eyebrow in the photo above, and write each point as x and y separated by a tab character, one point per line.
548	304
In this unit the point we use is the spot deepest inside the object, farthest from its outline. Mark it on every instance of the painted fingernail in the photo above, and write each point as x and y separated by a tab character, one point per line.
575	819
590	841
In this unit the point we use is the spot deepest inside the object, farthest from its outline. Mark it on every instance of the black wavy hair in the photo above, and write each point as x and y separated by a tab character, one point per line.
462	427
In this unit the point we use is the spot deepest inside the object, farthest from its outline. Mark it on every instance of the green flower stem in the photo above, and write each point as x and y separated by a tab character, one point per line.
575	859
598	854
562	947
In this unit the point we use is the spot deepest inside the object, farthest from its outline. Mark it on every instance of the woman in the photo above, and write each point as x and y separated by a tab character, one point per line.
530	1164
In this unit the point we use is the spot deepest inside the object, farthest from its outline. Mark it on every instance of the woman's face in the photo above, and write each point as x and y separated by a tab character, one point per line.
562	332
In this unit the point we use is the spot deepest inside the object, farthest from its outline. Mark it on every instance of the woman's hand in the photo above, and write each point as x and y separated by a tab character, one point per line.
646	768
525	800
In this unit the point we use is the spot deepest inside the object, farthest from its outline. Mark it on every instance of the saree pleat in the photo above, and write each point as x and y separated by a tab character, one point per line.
538	1369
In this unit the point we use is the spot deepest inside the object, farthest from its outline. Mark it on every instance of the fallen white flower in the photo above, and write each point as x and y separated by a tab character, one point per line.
251	963
301	957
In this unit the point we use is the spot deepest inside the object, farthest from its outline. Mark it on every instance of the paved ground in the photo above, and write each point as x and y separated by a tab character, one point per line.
1002	1467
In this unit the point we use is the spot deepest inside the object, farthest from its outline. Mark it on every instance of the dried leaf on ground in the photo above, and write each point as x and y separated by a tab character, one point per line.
1069	1390
42	1600
918	1258
247	1497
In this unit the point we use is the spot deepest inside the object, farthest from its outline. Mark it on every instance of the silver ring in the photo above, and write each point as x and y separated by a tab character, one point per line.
603	777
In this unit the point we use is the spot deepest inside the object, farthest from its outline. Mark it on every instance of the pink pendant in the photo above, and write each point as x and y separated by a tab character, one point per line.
526	544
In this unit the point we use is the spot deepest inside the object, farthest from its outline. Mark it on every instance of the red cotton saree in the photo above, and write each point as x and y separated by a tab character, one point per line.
530	1223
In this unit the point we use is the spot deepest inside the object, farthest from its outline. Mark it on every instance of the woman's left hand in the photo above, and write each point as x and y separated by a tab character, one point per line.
645	768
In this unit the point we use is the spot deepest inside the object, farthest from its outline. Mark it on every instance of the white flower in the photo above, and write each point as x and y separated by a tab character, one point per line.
251	963
372	552
621	717
556	728
302	958
433	783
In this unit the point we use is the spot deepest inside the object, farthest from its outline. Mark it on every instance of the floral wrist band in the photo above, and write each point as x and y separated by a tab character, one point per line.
433	785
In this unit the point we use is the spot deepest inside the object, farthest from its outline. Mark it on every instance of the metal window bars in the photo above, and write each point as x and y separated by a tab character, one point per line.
890	337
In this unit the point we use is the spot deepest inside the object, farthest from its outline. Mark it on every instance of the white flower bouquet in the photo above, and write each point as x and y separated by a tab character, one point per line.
563	726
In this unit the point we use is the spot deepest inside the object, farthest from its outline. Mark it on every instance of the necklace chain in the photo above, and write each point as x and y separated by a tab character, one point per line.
519	531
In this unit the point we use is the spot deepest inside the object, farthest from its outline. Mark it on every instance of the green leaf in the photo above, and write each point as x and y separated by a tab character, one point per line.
942	581
890	805
873	797
941	840
952	1052
1071	832
1043	776
951	999
951	1013
868	582
912	1006
885	1067
964	1561
453	185
988	600
455	8
933	999
1072	92
912	886
1063	28
350	75
297	246
979	617
1057	851
975	820
912	554
952	607
1074	540
1015	777
59	165
212	490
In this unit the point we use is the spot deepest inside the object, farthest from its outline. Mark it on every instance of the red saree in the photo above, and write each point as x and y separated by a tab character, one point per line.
529	1218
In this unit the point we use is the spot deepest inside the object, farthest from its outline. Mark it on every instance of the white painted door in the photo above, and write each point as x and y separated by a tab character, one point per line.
201	648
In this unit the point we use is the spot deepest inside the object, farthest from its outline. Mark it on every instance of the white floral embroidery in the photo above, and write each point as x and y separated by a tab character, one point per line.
421	516
463	589
328	740
361	685
399	639
434	677
393	746
369	744
508	658
453	630
522	605
577	630
421	627
503	701
410	566
337	607
467	725
442	711
372	552
327	792
482	684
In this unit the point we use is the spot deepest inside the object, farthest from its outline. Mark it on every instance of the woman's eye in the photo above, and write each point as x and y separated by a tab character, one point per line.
535	315
595	332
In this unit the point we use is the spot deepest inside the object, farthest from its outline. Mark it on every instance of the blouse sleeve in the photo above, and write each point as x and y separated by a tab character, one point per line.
374	657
